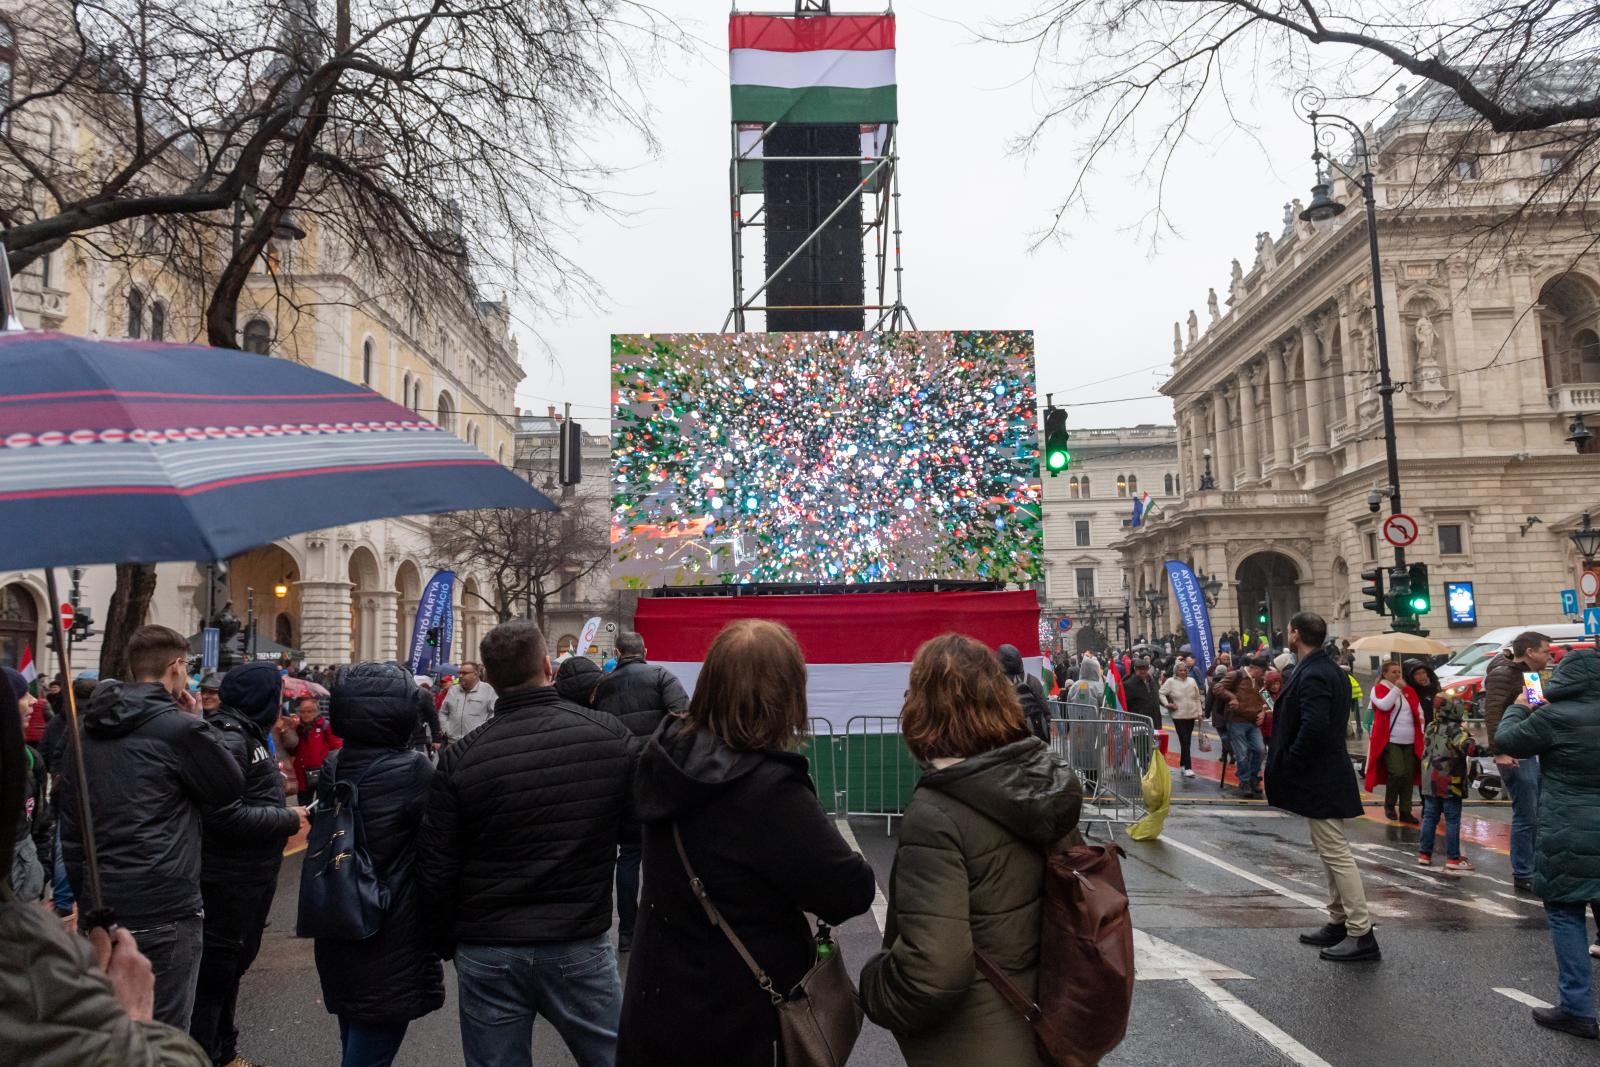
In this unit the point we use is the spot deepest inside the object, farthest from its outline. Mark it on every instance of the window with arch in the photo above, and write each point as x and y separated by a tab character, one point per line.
366	362
1569	329
1587	342
1168	485
158	320
445	415
1072	488
416	395
1083	486
500	455
258	337
1133	484
405	389
8	64
135	313
1122	485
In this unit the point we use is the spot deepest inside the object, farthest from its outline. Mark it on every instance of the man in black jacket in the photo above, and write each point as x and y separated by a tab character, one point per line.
241	850
1309	773
515	857
153	767
639	694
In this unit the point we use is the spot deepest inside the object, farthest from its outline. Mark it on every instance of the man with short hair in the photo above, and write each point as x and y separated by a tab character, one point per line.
514	891
467	705
1143	691
153	767
1309	773
1243	693
1502	684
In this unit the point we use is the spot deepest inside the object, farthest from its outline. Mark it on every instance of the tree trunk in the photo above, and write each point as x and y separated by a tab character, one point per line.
539	598
130	602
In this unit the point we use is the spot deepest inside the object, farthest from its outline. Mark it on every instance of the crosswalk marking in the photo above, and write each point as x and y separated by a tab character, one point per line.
1247	1016
1520	997
880	903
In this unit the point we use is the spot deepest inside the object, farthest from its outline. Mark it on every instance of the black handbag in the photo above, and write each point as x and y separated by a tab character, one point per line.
341	896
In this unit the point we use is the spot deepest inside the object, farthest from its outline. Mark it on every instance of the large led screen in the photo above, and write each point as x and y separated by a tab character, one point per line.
823	458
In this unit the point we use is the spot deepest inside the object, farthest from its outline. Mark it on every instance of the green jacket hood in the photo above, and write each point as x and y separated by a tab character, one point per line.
1577	677
1023	786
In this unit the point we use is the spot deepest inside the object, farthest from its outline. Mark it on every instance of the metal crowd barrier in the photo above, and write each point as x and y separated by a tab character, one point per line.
821	749
879	771
1110	753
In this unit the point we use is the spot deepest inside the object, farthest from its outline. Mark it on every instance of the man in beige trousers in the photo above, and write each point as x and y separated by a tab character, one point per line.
1309	773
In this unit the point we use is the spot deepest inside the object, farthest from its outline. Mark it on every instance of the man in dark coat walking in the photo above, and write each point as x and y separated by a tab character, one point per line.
640	694
241	849
1309	774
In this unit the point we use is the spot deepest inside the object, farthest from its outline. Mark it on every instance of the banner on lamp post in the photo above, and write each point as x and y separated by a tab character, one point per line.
433	610
1191	600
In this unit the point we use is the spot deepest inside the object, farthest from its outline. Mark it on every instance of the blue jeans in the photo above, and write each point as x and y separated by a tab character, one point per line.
504	988
628	857
1248	752
1569	933
61	887
1432	807
370	1044
1522	786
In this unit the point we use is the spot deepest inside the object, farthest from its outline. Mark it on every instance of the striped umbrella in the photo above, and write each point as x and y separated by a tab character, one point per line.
133	452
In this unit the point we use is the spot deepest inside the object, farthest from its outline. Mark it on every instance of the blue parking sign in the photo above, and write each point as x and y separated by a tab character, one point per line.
1569	602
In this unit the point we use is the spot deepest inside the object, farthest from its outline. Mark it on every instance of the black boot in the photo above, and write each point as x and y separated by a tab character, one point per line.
1331	934
1556	1019
1354	949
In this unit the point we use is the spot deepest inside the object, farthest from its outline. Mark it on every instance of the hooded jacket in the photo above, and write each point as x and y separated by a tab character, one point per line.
1565	735
152	771
576	680
1035	710
969	873
243	840
767	854
26	876
640	693
392	976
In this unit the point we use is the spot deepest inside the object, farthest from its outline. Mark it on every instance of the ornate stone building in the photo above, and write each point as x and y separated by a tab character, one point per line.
1086	512
1494	345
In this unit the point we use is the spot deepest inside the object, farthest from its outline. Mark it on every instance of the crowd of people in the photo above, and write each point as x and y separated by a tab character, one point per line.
500	823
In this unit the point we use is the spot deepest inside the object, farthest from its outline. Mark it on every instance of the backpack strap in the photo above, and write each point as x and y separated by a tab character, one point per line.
1008	989
716	920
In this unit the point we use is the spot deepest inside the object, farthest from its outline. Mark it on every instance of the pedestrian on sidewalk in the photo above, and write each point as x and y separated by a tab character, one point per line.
1309	774
640	694
241	849
466	705
1394	750
1445	748
1035	711
1565	737
378	985
1180	695
309	736
722	790
1502	682
969	867
153	768
516	857
1243	693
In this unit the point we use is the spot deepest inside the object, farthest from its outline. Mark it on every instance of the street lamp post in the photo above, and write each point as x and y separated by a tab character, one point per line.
1586	539
1206	480
1324	206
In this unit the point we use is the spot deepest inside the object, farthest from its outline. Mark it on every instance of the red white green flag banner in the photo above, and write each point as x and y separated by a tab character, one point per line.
827	69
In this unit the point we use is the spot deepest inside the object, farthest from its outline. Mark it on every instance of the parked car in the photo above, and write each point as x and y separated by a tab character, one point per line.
1474	659
1470	687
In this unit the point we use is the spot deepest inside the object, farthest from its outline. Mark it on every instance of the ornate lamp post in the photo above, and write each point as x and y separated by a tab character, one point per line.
1206	480
1586	539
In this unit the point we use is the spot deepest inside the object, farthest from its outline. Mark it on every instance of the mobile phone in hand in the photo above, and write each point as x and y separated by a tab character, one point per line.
1533	688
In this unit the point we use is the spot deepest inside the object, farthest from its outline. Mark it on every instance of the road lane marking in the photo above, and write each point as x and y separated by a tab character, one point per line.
880	903
1521	900
1254	1021
1239	872
1155	960
1520	997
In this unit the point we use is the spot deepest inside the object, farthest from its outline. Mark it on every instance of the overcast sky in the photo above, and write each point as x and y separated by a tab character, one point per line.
1100	300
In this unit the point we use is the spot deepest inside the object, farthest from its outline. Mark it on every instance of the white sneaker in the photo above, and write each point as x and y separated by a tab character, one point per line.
1187	773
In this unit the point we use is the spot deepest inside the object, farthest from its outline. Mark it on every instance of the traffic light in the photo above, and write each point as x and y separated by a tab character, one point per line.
1373	591
1418	599
1263	614
82	625
433	636
570	459
1057	457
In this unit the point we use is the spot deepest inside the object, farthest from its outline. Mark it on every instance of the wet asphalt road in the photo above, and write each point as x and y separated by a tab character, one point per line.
1223	981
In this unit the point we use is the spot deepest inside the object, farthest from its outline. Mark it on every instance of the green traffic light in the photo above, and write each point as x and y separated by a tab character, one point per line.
1420	605
1058	460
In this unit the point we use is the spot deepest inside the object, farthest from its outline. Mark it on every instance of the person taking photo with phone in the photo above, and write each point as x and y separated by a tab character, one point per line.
1502	683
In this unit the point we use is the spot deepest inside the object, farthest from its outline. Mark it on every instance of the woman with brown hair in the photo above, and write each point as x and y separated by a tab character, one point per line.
724	775
969	869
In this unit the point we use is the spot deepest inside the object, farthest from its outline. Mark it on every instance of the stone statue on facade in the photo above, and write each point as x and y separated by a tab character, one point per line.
1367	406
1426	340
1266	251
1194	327
1235	283
1428	387
1211	304
1289	212
1177	338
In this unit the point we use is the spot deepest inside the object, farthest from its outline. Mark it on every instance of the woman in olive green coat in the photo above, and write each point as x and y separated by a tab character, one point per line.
1565	737
969	870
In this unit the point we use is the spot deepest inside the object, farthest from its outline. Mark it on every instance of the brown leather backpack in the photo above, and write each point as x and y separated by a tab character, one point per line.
1085	959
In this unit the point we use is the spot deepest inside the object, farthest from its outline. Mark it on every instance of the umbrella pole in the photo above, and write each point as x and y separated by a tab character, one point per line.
97	914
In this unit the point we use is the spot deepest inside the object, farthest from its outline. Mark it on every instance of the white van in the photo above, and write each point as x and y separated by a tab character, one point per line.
1474	659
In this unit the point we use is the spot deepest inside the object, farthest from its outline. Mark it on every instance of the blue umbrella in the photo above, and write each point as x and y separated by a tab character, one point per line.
131	452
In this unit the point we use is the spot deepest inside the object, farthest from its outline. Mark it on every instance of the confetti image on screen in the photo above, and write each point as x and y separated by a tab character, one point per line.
822	458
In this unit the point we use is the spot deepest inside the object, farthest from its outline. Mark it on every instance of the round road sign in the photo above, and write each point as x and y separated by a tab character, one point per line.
1400	530
67	615
1065	624
1589	584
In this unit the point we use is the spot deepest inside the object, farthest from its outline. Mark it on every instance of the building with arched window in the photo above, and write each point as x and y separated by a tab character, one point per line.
1497	344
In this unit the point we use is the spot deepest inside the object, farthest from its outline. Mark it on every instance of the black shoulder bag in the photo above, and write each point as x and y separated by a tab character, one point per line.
341	896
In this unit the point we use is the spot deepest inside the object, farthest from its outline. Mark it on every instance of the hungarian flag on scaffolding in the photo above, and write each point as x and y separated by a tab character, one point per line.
825	69
858	646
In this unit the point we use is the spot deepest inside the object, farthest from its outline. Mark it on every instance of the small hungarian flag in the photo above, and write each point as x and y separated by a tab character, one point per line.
28	671
1143	509
1116	697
